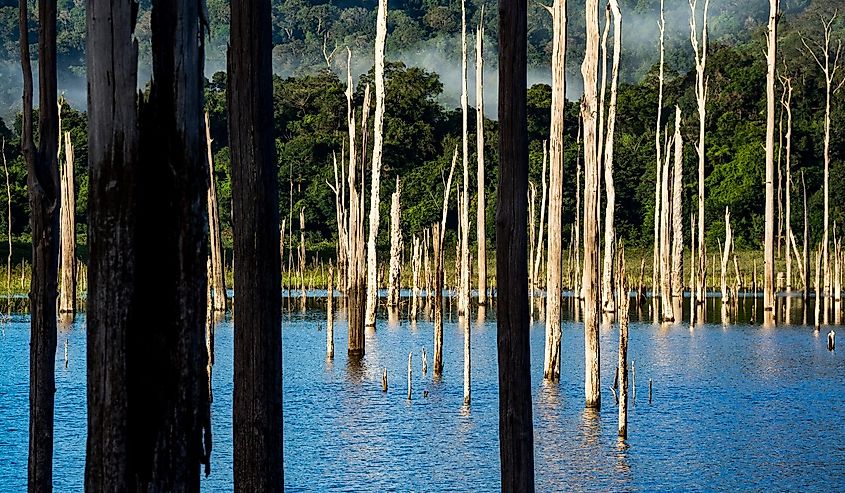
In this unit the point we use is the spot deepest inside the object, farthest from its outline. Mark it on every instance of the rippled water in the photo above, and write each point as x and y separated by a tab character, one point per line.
735	407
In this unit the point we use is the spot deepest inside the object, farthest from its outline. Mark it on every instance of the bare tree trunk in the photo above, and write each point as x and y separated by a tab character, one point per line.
415	290
257	415
610	189
330	314
395	249
786	102
302	260
375	186
481	208
43	184
8	230
701	98
218	279
439	233
677	215
769	236
622	368
591	205
551	358
806	244
666	312
355	287
655	267
111	58
67	292
464	282
516	430
339	190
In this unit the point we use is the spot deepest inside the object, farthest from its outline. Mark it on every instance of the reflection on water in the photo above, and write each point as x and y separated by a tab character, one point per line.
735	407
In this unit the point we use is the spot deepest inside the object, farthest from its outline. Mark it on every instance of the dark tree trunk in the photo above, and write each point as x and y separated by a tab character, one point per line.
112	59
516	432
257	414
149	418
43	184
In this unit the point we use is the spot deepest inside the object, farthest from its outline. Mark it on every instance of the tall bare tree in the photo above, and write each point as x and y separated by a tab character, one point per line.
481	208
592	295
67	259
43	184
516	430
769	236
218	277
655	265
551	359
257	414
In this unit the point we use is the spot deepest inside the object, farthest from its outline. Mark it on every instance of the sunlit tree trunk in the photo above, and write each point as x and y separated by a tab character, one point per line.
438	236
464	280
769	236
395	249
655	267
786	102
218	280
355	284
43	184
67	291
622	367
375	183
610	189
589	110
678	217
726	254
481	208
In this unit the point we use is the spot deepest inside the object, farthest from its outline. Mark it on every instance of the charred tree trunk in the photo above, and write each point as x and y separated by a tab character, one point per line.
257	415
516	430
43	184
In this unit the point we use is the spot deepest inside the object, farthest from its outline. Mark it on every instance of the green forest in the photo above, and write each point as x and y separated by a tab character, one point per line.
422	128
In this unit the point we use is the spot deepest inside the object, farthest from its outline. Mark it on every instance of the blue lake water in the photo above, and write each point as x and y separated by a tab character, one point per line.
735	407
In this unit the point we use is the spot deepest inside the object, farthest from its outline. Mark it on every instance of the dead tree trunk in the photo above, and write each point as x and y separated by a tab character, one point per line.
464	280
375	185
258	431
355	284
111	58
43	184
481	207
551	358
726	256
677	216
592	295
218	278
67	291
655	267
701	100
415	269
395	250
622	368
516	430
439	233
786	102
330	314
769	229
610	189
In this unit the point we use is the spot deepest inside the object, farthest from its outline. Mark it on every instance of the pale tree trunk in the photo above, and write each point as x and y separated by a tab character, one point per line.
302	260
806	244
8	230
481	208
786	102
67	292
677	216
330	314
622	368
726	256
551	358
769	236
355	287
589	111
655	266
666	311
610	189
516	430
532	240
218	280
415	289
537	256
464	281
578	217
339	190
439	233
395	249
700	51
375	184
829	68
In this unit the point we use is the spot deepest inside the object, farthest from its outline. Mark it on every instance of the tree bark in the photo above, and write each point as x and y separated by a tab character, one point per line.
43	184
610	189
655	266
701	99
439	233
67	286
622	368
677	216
355	284
257	415
516	434
395	249
592	293
481	206
218	275
786	102
551	359
330	314
375	185
769	229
